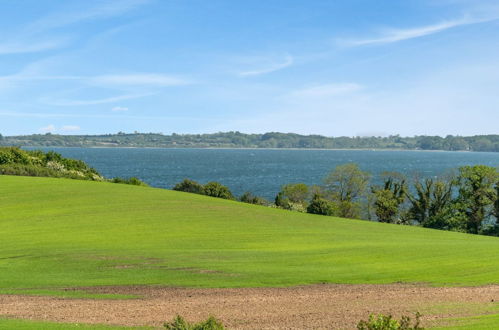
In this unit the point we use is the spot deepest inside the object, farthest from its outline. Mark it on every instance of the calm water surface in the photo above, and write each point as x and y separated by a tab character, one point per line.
263	171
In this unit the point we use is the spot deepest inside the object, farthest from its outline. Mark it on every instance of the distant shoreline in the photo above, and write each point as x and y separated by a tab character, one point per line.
266	141
246	148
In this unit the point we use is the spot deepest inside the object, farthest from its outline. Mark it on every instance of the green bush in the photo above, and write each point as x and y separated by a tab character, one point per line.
248	197
387	322
319	205
14	155
28	170
189	186
215	189
180	324
15	161
132	181
293	196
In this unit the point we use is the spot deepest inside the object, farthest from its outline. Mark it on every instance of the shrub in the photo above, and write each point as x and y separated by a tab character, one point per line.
189	186
319	205
15	161
215	189
180	324
14	155
387	322
293	196
133	181
28	170
248	197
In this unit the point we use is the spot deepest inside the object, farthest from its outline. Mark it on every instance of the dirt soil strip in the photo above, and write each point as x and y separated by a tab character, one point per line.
305	307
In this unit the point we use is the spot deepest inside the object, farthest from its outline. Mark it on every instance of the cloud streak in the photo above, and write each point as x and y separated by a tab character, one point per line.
142	79
396	35
119	109
327	90
70	128
268	68
114	80
32	38
78	15
47	129
98	116
68	103
17	47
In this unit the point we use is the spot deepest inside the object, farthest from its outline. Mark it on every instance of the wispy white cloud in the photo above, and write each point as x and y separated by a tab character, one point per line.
101	10
45	115
127	86
141	79
29	78
66	102
327	90
267	65
38	35
19	47
70	128
395	35
114	80
119	109
47	129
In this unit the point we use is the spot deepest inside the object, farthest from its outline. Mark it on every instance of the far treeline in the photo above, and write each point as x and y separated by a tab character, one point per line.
465	201
267	140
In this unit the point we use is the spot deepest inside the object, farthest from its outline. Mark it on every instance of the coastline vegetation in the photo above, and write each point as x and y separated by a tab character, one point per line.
16	161
467	201
268	140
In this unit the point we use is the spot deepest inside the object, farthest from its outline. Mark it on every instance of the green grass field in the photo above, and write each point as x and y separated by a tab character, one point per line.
26	324
67	233
60	233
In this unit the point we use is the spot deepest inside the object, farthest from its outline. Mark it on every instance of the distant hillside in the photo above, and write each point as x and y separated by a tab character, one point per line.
267	140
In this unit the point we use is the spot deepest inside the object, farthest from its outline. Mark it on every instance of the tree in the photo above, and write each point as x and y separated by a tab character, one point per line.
344	186
432	199
320	205
496	204
293	196
189	186
385	205
296	192
494	229
387	199
281	201
483	144
346	182
477	194
457	143
215	189
430	143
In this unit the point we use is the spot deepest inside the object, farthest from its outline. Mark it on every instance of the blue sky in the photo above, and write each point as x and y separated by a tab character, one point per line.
336	68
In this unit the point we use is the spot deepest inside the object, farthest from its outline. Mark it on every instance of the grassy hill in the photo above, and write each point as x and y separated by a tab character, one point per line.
61	233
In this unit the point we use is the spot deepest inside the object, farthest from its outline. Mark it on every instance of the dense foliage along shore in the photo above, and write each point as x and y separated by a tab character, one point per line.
15	161
465	201
267	140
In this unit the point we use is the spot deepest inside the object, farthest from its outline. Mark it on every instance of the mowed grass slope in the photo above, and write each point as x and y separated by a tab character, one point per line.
67	233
